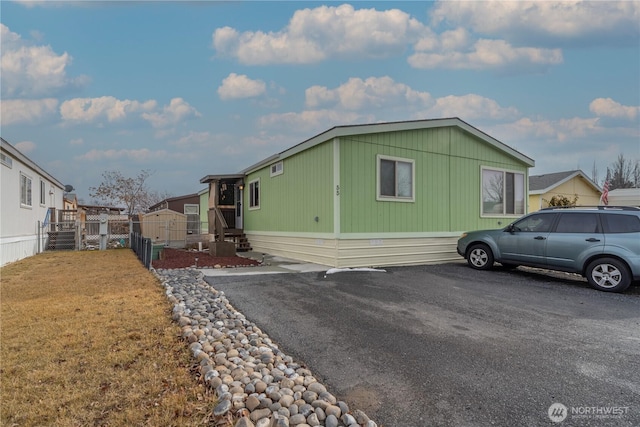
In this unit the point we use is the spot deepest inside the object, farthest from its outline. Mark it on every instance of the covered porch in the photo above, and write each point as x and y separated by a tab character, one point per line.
225	214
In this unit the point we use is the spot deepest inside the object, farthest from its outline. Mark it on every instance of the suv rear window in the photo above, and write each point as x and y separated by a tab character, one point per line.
577	223
621	223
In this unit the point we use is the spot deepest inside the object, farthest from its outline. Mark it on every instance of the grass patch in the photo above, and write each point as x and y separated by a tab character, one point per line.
87	340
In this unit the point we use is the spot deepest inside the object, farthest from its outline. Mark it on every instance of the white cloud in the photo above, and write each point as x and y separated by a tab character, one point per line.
309	121
567	144
342	32
554	131
358	94
482	54
177	110
32	71
607	107
141	155
26	111
471	106
544	20
26	146
236	86
87	110
314	35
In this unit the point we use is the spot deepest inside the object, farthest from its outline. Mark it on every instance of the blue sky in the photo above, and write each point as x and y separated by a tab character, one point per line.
188	89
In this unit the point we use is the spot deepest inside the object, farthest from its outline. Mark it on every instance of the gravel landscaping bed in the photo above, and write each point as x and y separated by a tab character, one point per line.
254	380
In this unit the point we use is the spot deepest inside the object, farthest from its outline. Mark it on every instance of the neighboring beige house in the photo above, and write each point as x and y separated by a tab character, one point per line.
570	184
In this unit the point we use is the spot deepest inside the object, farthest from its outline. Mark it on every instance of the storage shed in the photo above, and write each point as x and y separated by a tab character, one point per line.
166	227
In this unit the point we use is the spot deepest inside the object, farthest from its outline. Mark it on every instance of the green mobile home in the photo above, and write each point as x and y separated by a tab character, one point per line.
382	194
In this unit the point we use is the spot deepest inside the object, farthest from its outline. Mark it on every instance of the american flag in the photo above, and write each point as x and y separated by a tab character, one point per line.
604	199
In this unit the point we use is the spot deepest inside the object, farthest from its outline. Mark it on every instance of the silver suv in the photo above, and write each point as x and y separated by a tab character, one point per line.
601	243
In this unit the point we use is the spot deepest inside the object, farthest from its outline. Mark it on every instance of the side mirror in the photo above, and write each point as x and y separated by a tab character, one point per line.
511	228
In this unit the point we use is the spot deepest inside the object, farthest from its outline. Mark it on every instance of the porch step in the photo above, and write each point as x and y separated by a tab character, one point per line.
236	236
242	243
61	240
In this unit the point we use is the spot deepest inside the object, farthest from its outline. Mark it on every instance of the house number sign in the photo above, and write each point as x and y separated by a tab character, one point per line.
337	190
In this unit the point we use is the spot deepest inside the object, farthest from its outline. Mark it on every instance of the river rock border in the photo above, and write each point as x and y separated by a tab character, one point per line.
252	378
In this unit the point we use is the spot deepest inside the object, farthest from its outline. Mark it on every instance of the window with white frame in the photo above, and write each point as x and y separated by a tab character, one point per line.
254	194
25	190
6	160
396	179
277	169
191	209
502	192
43	197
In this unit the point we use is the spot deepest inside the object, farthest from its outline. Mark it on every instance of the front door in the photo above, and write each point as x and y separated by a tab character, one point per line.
238	197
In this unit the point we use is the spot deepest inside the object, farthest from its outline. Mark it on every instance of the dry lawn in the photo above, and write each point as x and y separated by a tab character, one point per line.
87	340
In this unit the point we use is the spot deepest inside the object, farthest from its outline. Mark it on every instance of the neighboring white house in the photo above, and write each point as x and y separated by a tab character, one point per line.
28	192
624	197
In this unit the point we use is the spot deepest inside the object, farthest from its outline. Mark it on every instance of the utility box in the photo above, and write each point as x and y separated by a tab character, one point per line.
103	230
104	224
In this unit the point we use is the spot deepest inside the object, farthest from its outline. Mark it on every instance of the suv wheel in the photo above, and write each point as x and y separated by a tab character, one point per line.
608	274
479	256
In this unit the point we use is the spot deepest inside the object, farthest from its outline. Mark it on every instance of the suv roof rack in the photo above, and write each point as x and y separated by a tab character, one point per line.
621	208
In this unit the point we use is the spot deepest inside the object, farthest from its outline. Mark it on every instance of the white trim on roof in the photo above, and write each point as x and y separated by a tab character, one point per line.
15	153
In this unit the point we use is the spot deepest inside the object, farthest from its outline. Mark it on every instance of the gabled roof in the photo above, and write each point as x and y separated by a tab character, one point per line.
349	130
541	184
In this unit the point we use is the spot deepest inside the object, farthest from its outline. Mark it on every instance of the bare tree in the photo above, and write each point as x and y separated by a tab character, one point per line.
594	173
622	173
130	193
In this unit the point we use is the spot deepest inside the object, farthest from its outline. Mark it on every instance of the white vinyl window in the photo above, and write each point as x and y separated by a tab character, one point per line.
6	160
502	192
191	209
254	194
277	169
25	191
396	179
43	194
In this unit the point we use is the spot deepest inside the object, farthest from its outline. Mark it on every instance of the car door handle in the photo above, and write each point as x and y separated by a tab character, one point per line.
592	239
539	237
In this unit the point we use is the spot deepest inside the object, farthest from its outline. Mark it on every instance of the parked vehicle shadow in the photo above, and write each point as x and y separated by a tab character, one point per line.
542	275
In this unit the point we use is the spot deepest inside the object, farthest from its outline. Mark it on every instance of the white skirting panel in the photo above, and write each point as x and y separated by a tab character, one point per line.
319	251
378	252
16	248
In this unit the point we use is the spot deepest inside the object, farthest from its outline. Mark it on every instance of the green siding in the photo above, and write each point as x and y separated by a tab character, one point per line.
447	175
448	161
204	212
290	202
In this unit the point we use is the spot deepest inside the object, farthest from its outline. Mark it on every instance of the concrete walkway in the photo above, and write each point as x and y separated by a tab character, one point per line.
271	264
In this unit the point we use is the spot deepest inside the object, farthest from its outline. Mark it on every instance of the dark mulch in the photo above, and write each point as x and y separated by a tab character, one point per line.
182	258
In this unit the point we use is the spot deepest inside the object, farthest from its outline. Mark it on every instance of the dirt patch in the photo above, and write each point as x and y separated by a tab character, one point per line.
182	258
365	398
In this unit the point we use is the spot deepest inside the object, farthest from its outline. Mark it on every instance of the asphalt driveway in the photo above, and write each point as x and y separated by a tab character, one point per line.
446	345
